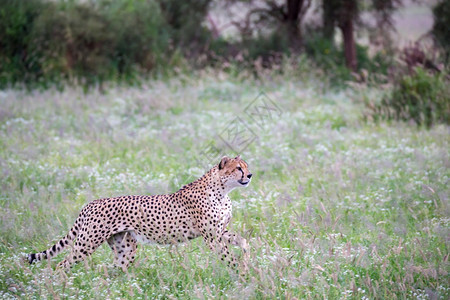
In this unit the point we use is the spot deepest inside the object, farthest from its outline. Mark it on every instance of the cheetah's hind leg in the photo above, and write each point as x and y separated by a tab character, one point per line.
124	246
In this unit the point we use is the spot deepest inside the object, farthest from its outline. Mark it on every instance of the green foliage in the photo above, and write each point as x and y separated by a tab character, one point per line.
421	97
18	58
255	54
379	63
441	27
89	42
184	19
141	36
331	59
264	47
75	42
328	57
52	42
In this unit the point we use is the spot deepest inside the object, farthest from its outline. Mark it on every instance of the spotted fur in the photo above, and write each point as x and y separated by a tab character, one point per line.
201	208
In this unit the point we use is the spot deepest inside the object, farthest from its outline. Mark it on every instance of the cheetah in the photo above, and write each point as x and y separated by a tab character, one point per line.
200	209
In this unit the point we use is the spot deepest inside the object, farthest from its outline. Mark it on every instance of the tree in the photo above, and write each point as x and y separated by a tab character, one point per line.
295	10
341	14
281	16
345	14
329	18
441	27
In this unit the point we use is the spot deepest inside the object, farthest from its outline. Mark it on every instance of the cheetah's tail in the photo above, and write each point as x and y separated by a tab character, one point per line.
58	247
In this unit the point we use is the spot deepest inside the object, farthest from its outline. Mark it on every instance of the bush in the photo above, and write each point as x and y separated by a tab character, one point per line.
328	57
421	97
266	47
141	40
19	60
184	19
87	42
74	41
332	59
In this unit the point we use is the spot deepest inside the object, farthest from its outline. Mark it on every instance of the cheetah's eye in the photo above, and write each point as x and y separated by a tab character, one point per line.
239	168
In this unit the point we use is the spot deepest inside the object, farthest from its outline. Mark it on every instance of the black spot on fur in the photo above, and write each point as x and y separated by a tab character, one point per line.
31	258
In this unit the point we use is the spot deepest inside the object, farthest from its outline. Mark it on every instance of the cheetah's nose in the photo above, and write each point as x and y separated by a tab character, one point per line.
249	176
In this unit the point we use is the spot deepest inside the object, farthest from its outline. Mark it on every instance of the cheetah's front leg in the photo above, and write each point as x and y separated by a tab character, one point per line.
237	240
219	244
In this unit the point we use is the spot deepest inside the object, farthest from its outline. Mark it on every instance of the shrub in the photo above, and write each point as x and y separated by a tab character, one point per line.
266	46
328	57
19	60
332	59
421	97
141	37
184	19
87	42
74	41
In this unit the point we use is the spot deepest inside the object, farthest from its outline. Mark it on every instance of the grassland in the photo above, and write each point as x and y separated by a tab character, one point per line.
338	208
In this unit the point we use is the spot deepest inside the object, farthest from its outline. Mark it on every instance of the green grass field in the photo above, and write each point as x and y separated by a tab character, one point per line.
337	207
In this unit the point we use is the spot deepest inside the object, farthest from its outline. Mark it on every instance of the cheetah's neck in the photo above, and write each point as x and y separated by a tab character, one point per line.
210	182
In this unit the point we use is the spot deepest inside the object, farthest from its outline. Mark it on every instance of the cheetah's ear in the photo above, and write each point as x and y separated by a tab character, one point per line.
223	162
238	157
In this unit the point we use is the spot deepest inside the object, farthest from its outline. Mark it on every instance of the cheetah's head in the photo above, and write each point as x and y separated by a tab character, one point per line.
234	172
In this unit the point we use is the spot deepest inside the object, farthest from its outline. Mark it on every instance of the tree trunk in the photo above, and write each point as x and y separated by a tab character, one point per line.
346	25
349	45
328	19
294	8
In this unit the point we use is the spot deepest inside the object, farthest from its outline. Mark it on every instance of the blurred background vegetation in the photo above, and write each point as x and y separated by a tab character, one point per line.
47	43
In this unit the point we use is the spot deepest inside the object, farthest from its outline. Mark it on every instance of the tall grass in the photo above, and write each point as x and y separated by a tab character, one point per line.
338	208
